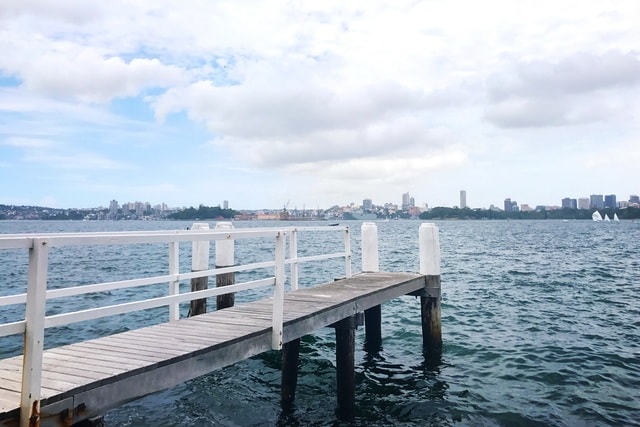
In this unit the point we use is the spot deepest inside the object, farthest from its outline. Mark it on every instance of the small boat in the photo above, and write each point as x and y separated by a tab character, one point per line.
615	217
606	218
596	216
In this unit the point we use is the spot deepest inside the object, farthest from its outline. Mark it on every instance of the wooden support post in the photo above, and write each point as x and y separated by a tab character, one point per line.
373	316
431	300
373	329
345	365
199	262
225	258
290	359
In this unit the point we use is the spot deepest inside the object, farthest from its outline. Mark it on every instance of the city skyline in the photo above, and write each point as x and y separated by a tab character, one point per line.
314	104
592	201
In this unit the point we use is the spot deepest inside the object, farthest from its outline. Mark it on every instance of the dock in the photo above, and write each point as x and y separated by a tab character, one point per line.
84	380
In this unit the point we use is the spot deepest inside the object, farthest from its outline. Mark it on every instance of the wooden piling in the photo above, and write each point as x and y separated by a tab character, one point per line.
199	262
225	257
345	365
430	300
290	359
370	264
373	329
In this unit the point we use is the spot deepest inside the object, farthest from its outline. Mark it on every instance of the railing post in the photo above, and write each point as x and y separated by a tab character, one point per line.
347	251
199	262
278	293
174	285
225	257
369	247
34	333
430	302
293	254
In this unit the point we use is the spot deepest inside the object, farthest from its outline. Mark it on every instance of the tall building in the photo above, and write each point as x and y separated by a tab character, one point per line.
569	203
406	201
463	199
610	201
507	204
634	199
583	203
596	201
225	204
367	204
113	209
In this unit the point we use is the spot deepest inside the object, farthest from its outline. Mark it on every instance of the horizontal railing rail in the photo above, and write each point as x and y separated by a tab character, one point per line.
39	246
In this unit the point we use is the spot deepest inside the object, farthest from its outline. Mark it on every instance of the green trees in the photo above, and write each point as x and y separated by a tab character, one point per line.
203	212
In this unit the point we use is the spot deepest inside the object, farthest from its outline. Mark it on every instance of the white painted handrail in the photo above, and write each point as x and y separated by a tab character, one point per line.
39	245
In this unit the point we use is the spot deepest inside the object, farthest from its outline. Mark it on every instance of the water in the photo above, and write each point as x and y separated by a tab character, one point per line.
540	322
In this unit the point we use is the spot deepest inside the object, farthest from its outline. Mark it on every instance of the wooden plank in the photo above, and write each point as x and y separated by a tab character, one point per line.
126	363
16	385
59	358
160	342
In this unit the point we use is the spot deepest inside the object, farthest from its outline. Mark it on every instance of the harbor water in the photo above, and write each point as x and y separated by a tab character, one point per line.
540	321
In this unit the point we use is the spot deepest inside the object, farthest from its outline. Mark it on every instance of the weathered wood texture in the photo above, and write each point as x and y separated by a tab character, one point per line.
431	317
225	300
373	329
345	367
91	377
290	359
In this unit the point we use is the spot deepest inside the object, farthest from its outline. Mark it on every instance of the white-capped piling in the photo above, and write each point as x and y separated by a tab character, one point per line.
199	262
370	264
430	300
369	233
225	257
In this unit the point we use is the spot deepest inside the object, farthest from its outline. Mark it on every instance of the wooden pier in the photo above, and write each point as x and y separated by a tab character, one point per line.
84	380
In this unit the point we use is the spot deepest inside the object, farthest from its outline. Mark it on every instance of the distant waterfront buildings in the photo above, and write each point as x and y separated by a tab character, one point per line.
510	205
583	203
113	209
596	201
463	199
610	201
568	203
406	201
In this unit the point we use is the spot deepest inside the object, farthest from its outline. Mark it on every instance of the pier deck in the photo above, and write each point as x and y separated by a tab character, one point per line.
86	379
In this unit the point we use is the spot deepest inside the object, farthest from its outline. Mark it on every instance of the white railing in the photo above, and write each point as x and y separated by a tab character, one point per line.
35	321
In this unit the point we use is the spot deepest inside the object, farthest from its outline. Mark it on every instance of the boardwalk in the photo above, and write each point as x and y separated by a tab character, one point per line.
86	379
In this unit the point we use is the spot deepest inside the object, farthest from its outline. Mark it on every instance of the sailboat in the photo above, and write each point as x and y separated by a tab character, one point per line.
606	218
615	217
596	216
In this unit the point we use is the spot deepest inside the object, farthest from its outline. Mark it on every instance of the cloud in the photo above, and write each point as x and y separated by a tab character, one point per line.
573	90
71	11
90	77
59	155
309	120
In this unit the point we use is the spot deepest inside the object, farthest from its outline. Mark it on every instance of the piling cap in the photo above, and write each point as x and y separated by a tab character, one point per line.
429	249
225	248
370	247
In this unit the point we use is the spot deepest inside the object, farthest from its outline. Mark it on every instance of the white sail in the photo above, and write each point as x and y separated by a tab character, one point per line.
606	217
615	217
596	216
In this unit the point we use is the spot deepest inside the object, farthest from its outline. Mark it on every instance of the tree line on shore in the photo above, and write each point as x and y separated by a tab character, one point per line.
564	213
203	212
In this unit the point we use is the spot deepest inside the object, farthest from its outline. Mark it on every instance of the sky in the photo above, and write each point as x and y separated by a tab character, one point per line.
313	104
